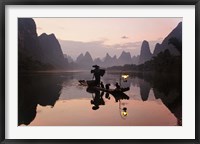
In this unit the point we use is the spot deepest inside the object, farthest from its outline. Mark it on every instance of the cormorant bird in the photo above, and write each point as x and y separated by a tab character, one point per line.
102	86
107	86
117	86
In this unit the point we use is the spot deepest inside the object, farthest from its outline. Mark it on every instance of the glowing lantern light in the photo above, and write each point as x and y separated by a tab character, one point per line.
125	77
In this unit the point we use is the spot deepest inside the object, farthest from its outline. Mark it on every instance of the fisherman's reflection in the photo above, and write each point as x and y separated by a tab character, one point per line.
97	100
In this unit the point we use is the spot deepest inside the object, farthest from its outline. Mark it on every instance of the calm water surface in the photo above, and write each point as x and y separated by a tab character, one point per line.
57	99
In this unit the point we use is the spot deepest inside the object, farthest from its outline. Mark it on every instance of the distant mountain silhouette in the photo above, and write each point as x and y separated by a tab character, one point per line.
69	58
85	61
108	60
52	51
107	57
37	53
175	33
125	58
88	58
114	57
28	44
145	53
158	49
79	58
135	59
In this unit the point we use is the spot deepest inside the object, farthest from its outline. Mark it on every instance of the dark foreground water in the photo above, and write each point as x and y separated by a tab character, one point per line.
57	99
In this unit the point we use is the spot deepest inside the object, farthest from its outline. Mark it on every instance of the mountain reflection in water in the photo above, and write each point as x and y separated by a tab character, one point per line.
58	99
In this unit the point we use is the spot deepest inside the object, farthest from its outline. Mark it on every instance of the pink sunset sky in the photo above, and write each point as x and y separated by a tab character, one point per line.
106	35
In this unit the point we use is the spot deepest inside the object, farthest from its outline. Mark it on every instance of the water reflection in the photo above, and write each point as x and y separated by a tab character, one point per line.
144	89
46	89
97	96
165	87
36	89
97	100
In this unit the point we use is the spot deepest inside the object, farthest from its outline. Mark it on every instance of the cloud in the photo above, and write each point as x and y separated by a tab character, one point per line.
124	37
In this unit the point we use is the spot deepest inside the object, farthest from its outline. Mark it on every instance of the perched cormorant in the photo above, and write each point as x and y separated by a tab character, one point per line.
107	86
117	86
102	86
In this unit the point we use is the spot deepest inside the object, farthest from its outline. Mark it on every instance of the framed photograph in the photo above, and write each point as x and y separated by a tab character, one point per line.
99	71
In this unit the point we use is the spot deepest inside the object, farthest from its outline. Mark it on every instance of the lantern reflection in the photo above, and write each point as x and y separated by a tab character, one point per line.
123	111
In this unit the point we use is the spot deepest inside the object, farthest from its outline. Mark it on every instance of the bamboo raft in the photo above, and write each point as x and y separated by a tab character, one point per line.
115	92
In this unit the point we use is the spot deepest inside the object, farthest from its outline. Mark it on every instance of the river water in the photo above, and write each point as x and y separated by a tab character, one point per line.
57	99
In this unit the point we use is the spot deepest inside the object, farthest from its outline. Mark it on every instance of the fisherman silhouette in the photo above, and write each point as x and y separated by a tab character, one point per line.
97	74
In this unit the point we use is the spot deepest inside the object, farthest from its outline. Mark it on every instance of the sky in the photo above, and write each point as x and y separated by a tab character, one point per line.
106	35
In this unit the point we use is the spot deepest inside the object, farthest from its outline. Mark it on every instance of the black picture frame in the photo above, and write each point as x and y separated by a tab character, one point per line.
4	3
